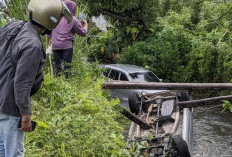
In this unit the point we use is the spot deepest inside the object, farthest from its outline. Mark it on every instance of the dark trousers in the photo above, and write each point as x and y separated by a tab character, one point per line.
63	56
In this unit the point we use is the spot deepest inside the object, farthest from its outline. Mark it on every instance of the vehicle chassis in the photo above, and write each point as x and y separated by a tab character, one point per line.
155	141
157	127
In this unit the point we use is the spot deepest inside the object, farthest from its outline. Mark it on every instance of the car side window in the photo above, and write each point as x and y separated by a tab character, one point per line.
123	77
114	75
106	72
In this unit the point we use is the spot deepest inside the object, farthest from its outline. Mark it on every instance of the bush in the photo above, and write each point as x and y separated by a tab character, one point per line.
3	19
74	120
167	59
192	44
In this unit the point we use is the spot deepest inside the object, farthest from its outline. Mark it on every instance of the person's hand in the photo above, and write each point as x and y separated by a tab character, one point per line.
85	24
26	123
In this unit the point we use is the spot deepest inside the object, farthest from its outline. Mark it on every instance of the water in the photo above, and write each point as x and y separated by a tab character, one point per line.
212	132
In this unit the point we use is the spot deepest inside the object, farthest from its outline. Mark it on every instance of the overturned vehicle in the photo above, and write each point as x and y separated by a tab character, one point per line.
162	122
160	127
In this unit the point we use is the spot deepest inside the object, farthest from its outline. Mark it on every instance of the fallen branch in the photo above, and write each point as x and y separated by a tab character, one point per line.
202	102
116	15
136	119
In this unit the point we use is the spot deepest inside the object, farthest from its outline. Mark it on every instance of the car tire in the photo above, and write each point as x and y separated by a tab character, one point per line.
184	95
134	102
180	146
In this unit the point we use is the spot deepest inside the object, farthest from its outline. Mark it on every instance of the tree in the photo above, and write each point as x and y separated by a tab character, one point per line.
184	41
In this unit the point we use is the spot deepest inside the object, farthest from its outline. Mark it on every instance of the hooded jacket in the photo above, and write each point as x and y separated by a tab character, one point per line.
21	64
63	35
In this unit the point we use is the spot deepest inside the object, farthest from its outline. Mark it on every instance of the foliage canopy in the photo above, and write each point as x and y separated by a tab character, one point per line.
181	41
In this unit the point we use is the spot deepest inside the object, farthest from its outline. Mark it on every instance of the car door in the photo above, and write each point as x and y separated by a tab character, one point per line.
122	94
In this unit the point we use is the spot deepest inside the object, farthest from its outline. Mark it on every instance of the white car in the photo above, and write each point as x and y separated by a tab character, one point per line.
132	73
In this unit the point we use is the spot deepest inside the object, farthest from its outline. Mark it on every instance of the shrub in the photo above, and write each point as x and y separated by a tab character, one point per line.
74	120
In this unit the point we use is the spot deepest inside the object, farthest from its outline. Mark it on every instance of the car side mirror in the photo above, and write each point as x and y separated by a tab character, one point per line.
161	80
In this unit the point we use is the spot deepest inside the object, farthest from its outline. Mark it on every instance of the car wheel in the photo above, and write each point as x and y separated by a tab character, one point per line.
134	102
184	95
180	146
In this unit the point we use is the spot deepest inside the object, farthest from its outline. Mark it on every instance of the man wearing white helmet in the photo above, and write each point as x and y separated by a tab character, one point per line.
21	64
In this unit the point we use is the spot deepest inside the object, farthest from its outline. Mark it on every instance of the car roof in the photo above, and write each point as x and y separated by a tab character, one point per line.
127	68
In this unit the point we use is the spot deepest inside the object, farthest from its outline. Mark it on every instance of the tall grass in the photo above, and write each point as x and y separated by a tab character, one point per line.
17	9
3	19
80	121
74	116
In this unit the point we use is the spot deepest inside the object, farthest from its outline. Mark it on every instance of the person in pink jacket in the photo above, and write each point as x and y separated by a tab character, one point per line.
62	38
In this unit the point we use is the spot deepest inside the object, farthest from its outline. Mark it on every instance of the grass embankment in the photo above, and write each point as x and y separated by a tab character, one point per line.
75	118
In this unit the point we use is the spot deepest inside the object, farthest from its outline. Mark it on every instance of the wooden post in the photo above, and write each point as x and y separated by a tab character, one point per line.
166	86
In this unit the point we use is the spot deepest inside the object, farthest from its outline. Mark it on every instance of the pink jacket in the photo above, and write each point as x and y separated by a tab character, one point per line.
63	35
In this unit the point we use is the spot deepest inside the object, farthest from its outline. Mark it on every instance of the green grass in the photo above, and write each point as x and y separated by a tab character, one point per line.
74	116
74	120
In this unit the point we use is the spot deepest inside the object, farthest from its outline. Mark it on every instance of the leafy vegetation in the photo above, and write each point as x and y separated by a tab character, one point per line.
79	120
3	17
3	20
227	106
181	41
75	117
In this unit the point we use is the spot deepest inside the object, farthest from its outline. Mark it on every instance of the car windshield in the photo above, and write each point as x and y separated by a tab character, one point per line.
144	77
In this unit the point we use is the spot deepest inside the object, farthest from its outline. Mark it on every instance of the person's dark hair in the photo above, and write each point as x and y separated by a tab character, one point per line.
34	22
